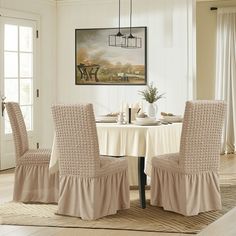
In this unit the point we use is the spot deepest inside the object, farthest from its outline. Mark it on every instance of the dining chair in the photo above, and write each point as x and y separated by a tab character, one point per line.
188	182
91	186
33	183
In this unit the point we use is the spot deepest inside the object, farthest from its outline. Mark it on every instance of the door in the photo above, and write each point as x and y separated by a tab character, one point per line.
18	81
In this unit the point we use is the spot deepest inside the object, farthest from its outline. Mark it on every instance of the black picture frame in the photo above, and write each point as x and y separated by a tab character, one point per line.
97	63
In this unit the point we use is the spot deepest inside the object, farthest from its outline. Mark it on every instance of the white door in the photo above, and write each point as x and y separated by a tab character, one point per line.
18	81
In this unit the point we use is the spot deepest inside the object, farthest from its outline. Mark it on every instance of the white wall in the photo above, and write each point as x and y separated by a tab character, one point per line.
169	28
168	56
47	11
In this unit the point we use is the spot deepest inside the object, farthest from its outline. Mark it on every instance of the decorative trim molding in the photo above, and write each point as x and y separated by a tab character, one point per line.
86	2
4	12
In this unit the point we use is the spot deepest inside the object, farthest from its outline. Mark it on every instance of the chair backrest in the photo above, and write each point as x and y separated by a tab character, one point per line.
201	136
18	128
77	140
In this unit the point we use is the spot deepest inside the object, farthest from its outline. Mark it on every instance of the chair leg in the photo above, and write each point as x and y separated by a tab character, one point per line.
142	182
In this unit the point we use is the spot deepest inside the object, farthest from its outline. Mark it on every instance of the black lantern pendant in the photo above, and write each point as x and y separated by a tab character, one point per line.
131	41
116	40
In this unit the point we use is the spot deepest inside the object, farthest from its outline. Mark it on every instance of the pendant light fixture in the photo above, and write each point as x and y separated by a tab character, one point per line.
131	41
115	40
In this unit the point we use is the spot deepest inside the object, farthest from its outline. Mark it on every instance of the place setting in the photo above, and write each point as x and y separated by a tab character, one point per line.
138	117
108	118
169	118
144	120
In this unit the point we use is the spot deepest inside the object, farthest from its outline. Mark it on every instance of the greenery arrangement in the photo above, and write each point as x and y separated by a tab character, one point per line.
150	94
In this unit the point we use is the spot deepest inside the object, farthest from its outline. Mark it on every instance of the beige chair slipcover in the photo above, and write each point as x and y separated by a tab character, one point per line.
90	186
33	183
187	182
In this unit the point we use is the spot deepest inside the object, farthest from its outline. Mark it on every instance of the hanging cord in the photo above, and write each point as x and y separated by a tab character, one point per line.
119	34
130	18
119	15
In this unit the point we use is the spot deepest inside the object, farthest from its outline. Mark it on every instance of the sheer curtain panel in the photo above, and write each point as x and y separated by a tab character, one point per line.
226	72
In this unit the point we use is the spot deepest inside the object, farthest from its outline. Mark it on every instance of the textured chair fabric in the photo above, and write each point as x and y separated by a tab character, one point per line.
33	183
90	186
187	182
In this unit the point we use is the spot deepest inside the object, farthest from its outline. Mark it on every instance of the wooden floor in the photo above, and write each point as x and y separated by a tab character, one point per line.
225	226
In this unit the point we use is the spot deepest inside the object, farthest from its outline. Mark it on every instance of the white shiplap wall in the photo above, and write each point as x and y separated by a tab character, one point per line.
170	52
170	45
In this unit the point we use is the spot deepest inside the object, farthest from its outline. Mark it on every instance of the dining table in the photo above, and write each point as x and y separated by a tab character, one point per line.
139	141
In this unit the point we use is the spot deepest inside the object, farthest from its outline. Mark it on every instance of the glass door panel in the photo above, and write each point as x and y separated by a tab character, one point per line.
25	91
10	37
26	69
18	70
18	81
11	89
10	64
26	39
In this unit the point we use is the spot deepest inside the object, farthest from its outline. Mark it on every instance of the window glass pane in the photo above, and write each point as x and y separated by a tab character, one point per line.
26	38
11	90
10	38
25	91
26	65
10	64
27	114
7	124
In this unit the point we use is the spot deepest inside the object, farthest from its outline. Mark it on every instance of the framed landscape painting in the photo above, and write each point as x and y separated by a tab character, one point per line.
97	63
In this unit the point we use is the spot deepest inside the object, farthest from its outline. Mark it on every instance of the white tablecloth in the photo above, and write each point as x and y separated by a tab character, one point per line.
122	140
132	140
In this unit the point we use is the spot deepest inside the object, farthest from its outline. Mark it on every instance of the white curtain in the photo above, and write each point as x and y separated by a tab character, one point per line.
226	72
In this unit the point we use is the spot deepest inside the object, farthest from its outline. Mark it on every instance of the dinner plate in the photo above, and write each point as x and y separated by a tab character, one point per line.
107	118
146	123
105	121
145	119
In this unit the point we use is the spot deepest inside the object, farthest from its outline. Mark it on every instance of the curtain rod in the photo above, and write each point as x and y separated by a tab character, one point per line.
214	8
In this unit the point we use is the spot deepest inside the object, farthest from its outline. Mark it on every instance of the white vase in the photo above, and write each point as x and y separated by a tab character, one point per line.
152	110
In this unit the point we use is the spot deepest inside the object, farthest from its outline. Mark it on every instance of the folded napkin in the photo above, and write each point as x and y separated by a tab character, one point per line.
112	114
169	117
166	114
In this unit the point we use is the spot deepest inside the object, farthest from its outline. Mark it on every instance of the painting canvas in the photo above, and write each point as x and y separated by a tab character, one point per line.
98	63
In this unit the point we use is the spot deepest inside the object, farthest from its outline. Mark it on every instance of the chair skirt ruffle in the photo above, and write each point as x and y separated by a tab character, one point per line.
92	198
33	183
187	194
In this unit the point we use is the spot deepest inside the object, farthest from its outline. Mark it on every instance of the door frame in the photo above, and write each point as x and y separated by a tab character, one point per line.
18	15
